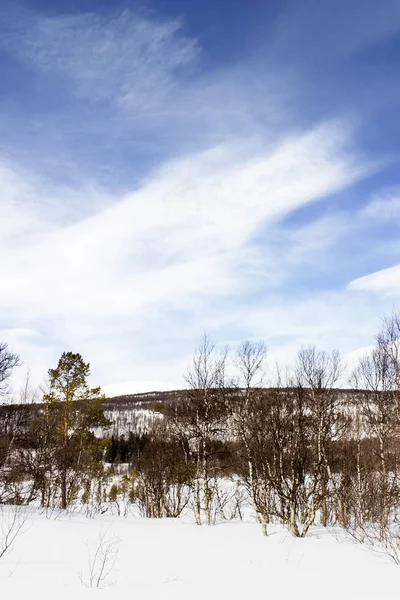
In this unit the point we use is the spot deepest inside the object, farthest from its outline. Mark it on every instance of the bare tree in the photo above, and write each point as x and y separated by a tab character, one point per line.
13	523
205	419
162	478
101	562
27	393
8	362
318	372
378	400
389	342
293	479
287	434
250	362
14	422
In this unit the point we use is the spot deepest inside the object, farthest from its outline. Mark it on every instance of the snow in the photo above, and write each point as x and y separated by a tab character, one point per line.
135	420
174	559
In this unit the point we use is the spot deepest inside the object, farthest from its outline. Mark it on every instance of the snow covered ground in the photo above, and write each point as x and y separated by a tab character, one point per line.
174	559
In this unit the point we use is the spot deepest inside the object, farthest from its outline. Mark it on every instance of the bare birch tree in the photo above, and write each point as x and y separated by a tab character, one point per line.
8	362
318	373
205	420
250	362
379	406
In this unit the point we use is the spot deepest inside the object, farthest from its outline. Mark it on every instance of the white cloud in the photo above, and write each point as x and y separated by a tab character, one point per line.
132	280
353	358
176	244
126	58
181	233
333	319
18	333
384	206
386	281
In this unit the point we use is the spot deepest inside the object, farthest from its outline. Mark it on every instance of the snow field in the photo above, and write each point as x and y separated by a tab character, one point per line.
174	559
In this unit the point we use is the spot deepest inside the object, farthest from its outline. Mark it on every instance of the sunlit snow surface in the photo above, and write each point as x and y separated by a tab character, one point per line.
174	559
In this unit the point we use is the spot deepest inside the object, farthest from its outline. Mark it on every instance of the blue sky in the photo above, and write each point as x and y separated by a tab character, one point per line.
173	167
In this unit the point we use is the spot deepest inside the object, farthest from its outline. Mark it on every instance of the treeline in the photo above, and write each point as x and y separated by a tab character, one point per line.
299	453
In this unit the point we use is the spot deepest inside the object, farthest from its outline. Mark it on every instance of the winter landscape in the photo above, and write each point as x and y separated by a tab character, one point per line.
200	299
229	486
174	559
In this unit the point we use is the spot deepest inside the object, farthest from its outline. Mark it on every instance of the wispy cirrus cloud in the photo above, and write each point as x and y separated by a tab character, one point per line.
183	240
124	58
384	206
385	281
182	232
